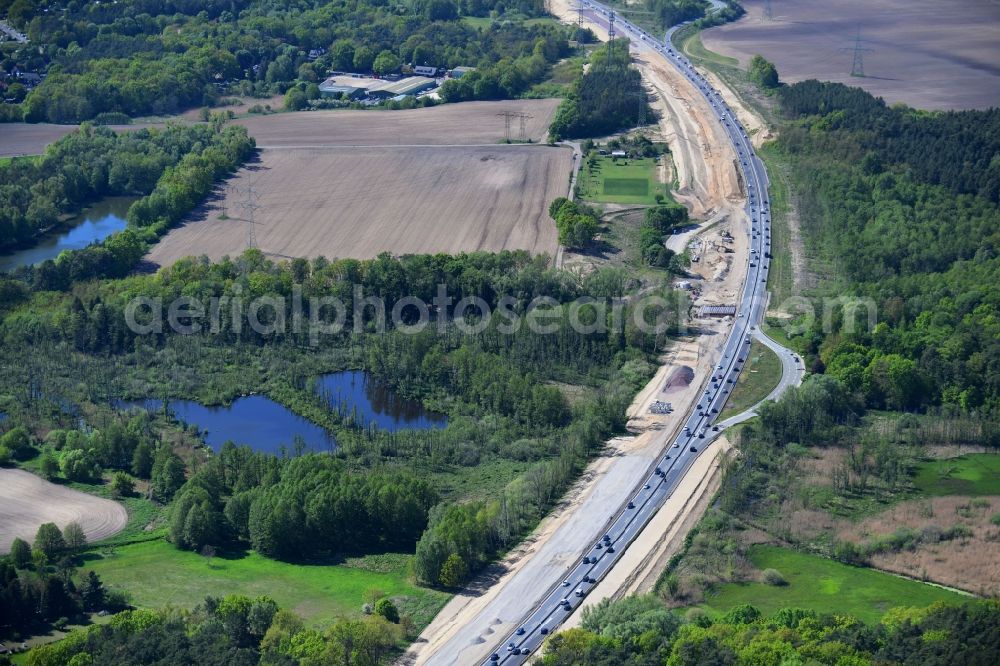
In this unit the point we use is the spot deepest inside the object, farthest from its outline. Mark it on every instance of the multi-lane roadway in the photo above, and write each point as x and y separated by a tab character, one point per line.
701	427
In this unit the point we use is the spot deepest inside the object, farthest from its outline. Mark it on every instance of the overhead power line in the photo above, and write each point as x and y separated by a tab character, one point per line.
858	67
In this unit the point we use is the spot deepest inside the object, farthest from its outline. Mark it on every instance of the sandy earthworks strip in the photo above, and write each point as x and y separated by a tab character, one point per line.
27	501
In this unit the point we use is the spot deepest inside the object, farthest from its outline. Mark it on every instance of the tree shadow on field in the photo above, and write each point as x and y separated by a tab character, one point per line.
484	580
599	249
254	164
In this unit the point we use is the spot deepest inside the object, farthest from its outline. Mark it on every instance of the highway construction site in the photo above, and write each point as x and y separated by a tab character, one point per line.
709	185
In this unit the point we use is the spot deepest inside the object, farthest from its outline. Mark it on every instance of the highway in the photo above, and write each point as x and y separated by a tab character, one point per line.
701	427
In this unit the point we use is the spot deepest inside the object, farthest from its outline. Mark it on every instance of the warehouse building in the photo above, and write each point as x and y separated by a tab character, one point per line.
411	85
360	87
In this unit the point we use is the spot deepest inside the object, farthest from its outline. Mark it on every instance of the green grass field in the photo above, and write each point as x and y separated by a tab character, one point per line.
825	586
974	474
487	21
627	181
4	161
780	280
158	574
760	375
693	47
630	187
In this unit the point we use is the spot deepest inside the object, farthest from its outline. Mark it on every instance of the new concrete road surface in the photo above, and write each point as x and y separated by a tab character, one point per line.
544	608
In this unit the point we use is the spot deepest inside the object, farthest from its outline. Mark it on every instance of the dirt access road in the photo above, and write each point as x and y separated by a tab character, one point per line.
27	501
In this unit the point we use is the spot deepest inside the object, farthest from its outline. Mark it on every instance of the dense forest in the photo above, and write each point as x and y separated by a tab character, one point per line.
298	508
608	97
137	57
641	630
904	205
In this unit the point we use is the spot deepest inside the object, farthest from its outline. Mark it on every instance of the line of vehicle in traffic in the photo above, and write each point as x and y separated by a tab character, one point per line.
599	559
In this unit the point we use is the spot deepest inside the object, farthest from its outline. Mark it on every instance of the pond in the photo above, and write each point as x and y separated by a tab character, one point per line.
266	426
253	420
354	393
95	224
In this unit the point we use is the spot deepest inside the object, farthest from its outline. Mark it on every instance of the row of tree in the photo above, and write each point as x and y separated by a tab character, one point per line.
639	630
82	167
127	448
954	149
576	223
201	155
232	630
94	320
33	599
37	587
656	222
672	12
463	537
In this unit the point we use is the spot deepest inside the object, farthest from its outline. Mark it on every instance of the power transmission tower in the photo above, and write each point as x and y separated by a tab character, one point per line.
767	14
507	117
858	68
250	207
611	38
524	117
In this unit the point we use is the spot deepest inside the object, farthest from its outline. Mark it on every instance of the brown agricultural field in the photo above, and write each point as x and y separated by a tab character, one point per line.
23	139
18	139
359	202
448	124
925	53
27	501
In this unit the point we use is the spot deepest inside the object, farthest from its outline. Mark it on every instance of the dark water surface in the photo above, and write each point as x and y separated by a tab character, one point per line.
353	392
254	420
94	224
267	426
